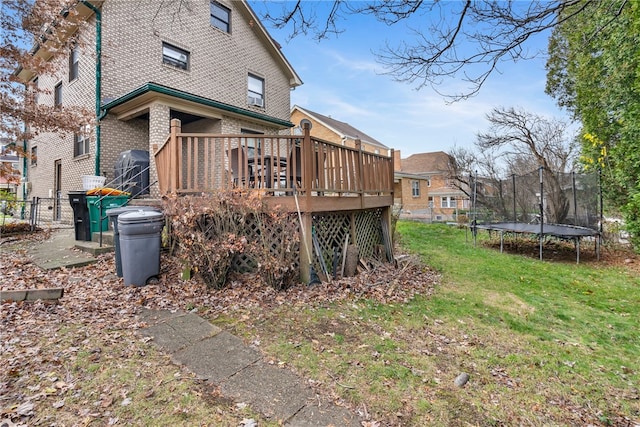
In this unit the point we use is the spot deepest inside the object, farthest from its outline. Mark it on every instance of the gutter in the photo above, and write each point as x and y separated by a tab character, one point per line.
175	93
100	114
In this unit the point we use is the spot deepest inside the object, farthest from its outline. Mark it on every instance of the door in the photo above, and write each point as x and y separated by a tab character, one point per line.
57	190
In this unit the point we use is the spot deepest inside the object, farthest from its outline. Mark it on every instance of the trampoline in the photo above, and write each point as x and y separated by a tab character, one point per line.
542	203
560	231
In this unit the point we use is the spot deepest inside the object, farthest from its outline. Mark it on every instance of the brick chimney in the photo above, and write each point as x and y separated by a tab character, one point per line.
397	162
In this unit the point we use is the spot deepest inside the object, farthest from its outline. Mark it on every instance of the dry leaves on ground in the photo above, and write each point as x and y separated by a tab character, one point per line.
97	304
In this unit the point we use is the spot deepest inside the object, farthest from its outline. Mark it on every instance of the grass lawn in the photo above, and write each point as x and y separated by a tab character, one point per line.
544	343
548	343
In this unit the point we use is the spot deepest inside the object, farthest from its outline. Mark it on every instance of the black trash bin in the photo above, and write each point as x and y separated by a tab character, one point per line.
140	241
113	214
81	222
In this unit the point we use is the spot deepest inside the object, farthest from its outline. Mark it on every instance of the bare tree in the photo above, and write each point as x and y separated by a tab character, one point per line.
26	27
518	143
466	39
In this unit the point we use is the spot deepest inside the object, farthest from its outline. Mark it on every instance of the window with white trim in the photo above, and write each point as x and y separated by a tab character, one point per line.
252	143
57	95
448	202
415	188
255	92
431	202
220	16
81	141
34	156
172	55
428	181
74	62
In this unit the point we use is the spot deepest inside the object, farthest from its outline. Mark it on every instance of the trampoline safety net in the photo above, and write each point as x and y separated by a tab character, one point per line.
553	197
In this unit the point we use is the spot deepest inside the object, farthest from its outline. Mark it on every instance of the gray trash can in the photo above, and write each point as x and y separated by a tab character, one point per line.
140	241
113	214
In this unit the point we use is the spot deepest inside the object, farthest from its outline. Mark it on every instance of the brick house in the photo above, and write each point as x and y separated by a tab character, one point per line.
332	130
424	189
211	65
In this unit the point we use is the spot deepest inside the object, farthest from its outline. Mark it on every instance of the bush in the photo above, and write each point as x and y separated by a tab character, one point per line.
212	230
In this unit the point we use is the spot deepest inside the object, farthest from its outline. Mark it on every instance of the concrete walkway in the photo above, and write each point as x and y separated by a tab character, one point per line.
211	353
240	371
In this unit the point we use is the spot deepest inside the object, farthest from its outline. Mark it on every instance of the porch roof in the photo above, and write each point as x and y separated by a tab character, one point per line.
132	103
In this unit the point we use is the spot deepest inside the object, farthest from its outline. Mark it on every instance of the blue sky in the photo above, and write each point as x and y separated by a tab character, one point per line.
343	80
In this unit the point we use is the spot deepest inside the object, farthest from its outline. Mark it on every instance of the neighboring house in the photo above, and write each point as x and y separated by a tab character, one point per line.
9	173
426	187
332	130
212	65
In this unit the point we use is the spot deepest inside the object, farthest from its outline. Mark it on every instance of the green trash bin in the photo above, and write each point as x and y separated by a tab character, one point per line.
98	206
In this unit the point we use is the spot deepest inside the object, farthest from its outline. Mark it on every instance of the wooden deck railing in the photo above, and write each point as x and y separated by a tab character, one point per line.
277	165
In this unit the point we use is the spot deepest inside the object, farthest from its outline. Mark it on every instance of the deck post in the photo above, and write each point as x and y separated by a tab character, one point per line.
306	242
360	172
307	157
173	159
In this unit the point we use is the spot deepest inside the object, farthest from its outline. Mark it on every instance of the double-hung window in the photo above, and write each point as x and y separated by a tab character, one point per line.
34	156
81	141
448	202
415	188
57	95
74	62
220	16
172	55
255	93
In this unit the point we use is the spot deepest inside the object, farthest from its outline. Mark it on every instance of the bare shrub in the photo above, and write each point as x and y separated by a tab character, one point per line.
211	230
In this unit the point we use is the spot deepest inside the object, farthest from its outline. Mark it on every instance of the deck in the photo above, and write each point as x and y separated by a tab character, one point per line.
325	176
324	182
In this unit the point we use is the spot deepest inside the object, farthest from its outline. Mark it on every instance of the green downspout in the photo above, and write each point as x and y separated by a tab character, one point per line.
99	113
24	175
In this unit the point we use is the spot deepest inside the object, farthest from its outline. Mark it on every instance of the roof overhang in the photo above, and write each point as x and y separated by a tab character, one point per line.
265	37
45	48
138	101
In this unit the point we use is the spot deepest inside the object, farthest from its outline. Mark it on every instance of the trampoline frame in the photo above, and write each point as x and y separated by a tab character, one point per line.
561	231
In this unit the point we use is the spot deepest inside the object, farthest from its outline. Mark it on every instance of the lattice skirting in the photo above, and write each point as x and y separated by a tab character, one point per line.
332	232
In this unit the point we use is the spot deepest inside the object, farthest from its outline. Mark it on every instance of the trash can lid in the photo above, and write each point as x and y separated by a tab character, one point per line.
123	209
137	217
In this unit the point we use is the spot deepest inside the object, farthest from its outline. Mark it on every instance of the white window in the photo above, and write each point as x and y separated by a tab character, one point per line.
175	56
57	95
448	202
431	202
415	188
74	61
220	16
81	141
255	93
428	181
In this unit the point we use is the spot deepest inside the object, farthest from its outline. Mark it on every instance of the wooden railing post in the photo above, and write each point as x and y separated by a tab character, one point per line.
360	172
307	155
392	174
174	150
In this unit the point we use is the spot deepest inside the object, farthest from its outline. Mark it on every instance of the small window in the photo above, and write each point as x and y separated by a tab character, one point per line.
431	202
35	91
175	56
415	188
428	181
57	95
255	94
34	156
74	61
81	141
220	17
253	143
